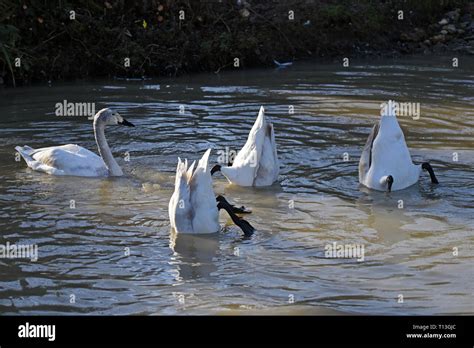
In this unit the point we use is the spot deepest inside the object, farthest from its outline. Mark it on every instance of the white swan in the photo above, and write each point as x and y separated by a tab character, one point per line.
75	160
256	164
193	207
385	163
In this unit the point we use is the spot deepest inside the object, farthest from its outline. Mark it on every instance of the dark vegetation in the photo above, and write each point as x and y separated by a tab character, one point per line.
52	46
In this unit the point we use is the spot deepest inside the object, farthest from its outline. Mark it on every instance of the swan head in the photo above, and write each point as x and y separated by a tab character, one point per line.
111	117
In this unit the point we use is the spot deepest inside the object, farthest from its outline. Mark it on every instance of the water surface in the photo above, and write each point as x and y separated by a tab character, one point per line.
84	251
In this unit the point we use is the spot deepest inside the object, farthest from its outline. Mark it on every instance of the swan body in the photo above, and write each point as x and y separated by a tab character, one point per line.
75	160
385	162
193	207
256	164
64	160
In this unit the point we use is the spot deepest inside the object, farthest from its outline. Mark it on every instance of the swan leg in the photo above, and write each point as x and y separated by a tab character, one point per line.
235	210
216	168
429	168
240	210
243	224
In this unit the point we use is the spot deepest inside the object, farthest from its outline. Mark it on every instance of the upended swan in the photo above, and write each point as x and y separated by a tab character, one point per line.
75	160
193	207
256	164
385	163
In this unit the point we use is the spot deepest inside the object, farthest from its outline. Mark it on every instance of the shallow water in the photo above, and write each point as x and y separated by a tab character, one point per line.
82	251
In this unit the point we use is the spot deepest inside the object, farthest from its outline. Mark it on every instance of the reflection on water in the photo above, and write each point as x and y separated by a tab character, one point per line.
114	250
194	254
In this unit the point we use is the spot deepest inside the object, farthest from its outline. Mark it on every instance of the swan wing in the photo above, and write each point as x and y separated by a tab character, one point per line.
390	150
390	154
180	208
64	160
244	169
26	152
366	156
203	200
189	173
269	166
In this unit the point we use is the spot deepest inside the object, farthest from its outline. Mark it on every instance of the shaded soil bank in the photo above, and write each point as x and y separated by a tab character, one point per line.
56	40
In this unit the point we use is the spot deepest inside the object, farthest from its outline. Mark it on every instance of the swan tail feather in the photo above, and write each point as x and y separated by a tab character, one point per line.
26	153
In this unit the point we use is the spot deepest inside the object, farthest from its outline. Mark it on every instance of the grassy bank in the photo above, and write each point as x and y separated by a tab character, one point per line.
55	40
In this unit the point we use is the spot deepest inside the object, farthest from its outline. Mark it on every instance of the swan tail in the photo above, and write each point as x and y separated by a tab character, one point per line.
201	181
26	153
203	162
389	108
244	169
179	207
182	180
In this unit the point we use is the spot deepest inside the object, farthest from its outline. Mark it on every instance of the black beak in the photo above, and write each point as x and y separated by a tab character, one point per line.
126	123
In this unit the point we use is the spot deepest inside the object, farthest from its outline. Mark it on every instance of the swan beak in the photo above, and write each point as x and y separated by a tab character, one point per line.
126	123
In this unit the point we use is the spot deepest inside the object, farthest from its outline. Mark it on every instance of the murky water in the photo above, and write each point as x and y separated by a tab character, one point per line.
83	265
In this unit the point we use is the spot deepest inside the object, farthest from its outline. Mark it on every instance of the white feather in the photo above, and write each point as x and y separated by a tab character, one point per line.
64	160
73	159
193	206
256	164
390	156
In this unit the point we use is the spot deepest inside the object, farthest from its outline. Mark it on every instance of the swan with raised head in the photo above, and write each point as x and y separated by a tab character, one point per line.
256	164
385	163
75	160
193	207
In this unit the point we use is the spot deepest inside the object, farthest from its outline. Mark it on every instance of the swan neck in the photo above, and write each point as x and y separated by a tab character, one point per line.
104	150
